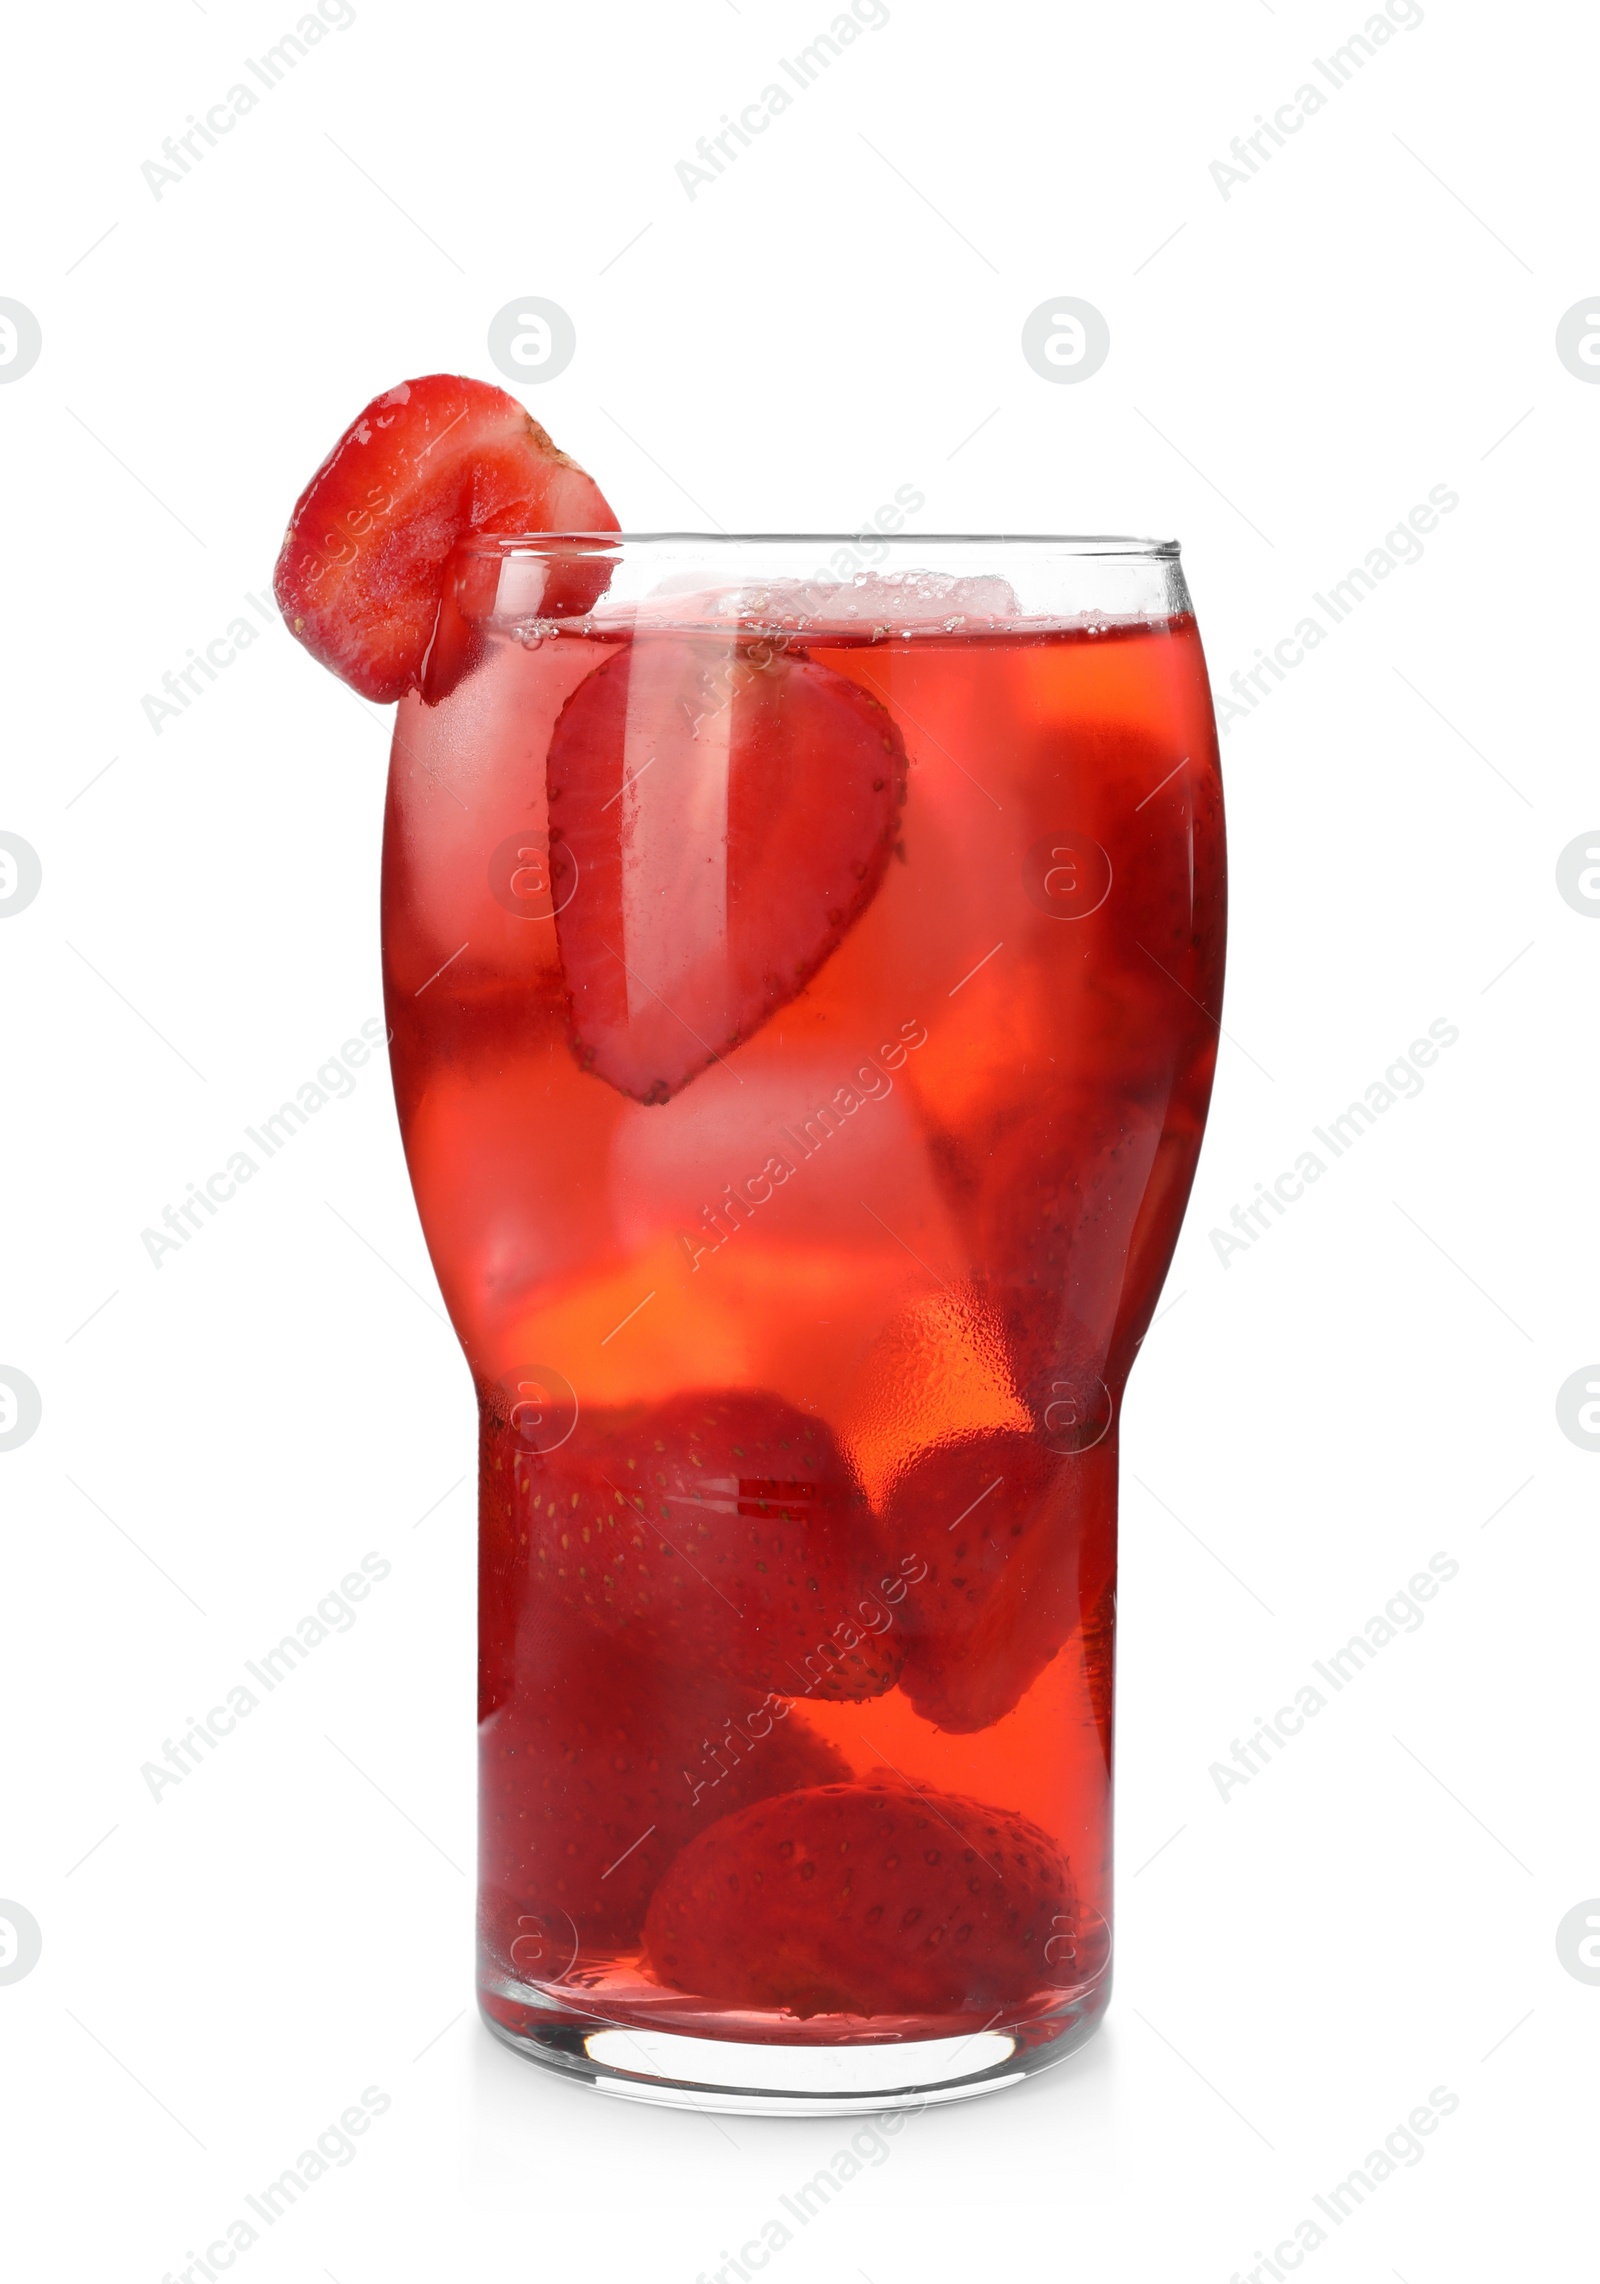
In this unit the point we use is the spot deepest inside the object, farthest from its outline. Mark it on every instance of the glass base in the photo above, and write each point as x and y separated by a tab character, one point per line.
783	2074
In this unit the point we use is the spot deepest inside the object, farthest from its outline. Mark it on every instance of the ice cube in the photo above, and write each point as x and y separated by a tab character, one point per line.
909	601
886	602
881	603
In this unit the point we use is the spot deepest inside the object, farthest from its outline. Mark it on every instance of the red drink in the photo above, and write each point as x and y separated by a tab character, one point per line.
804	1006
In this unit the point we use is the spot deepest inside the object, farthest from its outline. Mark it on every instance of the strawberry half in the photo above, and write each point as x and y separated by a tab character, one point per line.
865	1899
722	1533
1004	1532
729	815
424	466
597	1767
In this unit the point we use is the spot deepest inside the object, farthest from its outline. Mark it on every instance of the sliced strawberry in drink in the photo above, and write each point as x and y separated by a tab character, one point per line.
728	815
865	1899
1003	1532
1098	1645
425	465
598	1766
722	1533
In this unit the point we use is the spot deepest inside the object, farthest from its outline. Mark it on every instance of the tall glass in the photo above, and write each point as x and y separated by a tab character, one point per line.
804	987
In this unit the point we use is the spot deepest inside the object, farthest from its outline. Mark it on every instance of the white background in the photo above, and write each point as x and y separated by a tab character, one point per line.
1292	368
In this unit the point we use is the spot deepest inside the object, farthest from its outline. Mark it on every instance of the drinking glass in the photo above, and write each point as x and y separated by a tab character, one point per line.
803	959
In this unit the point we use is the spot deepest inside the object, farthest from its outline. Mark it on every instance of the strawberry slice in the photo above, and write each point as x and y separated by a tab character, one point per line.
865	1899
597	1767
1074	1207
722	1533
425	465
1098	1646
1003	1533
729	815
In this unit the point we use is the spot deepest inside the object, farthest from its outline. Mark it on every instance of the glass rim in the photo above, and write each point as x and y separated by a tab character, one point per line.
1112	545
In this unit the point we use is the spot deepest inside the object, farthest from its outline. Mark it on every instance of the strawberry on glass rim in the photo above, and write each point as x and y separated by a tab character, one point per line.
361	573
